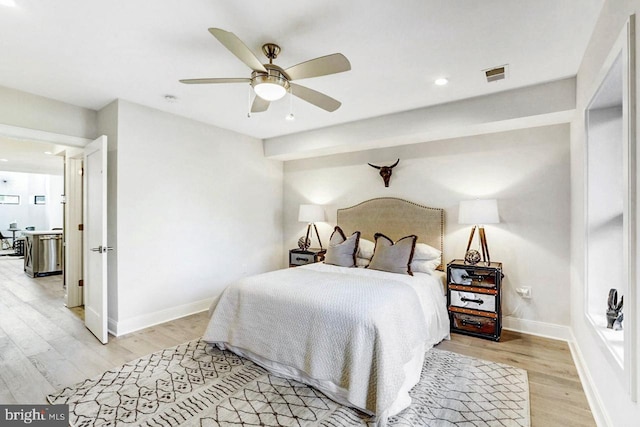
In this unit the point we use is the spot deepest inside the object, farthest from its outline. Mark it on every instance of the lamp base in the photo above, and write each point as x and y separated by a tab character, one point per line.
472	257
304	243
309	232
483	244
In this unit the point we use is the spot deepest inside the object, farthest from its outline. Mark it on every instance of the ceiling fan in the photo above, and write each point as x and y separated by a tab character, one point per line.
270	82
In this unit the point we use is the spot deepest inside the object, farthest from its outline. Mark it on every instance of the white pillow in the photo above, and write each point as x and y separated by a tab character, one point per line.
365	249
426	252
424	266
362	262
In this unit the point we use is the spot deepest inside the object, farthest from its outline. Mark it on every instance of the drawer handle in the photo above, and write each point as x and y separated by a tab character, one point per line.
477	301
301	259
472	323
478	277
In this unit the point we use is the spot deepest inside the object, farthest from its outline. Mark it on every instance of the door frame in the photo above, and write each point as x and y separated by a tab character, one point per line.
73	259
72	247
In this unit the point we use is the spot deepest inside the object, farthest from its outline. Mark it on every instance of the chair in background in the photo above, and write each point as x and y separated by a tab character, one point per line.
18	250
4	242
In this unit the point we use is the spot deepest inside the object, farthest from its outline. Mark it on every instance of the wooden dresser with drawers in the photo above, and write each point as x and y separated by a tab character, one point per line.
473	298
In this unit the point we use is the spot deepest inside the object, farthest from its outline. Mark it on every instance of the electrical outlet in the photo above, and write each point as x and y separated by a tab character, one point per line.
524	292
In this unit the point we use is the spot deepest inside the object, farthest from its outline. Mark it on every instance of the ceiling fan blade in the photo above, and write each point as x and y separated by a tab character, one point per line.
259	105
239	49
316	98
330	64
209	81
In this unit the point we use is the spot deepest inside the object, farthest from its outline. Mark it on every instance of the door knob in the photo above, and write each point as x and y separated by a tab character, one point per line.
102	249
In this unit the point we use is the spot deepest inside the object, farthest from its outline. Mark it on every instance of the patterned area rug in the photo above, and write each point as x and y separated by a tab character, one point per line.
194	384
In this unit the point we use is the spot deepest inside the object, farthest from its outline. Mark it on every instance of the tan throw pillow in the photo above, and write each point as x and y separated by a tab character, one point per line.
342	250
393	257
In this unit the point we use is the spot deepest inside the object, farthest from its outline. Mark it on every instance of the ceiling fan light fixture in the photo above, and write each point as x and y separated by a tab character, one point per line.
270	87
270	91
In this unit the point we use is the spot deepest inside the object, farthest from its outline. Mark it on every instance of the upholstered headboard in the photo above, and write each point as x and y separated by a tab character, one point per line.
394	218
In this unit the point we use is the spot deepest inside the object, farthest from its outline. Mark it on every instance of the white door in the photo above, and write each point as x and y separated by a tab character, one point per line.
95	246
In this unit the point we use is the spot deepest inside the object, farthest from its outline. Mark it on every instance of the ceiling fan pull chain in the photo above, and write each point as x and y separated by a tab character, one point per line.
290	116
249	103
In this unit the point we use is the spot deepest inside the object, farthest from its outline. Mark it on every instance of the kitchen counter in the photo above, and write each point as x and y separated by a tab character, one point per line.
43	254
41	232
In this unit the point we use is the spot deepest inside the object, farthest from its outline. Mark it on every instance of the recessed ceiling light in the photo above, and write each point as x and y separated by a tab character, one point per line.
441	81
4	160
48	153
8	3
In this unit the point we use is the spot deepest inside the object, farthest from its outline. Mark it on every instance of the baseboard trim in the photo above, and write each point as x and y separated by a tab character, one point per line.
133	324
591	392
112	326
533	327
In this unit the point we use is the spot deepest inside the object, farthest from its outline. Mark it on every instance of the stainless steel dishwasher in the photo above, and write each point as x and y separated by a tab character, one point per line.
43	253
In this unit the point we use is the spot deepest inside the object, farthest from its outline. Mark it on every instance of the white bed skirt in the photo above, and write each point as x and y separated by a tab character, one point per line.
412	370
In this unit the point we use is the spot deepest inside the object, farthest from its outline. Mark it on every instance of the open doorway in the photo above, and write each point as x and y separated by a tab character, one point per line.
33	221
85	204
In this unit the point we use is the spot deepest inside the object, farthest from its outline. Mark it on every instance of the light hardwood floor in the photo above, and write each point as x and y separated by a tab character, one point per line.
45	346
557	397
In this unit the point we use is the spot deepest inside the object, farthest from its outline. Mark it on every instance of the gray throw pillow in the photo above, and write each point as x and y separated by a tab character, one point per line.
393	257
342	250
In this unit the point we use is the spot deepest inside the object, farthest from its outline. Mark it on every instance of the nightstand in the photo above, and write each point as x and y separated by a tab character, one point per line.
299	257
474	299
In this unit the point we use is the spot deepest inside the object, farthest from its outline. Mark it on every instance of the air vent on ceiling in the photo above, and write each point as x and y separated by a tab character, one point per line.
496	73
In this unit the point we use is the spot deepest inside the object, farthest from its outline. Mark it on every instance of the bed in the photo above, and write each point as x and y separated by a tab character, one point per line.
356	334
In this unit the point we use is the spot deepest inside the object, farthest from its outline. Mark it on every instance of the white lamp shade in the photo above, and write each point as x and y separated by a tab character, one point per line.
478	212
311	213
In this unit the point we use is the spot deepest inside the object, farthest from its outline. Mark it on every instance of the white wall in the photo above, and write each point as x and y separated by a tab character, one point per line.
610	400
36	112
27	213
198	207
539	105
526	170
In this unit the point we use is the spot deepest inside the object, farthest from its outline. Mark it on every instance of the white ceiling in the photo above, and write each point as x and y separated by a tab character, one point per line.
30	157
89	53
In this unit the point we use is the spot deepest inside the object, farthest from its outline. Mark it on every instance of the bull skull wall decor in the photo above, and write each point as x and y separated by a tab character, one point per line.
385	171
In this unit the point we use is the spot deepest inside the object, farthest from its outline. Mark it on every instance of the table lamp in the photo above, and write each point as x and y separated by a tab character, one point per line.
479	212
311	214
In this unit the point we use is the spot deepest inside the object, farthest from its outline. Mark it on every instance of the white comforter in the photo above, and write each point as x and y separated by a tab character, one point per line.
358	335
